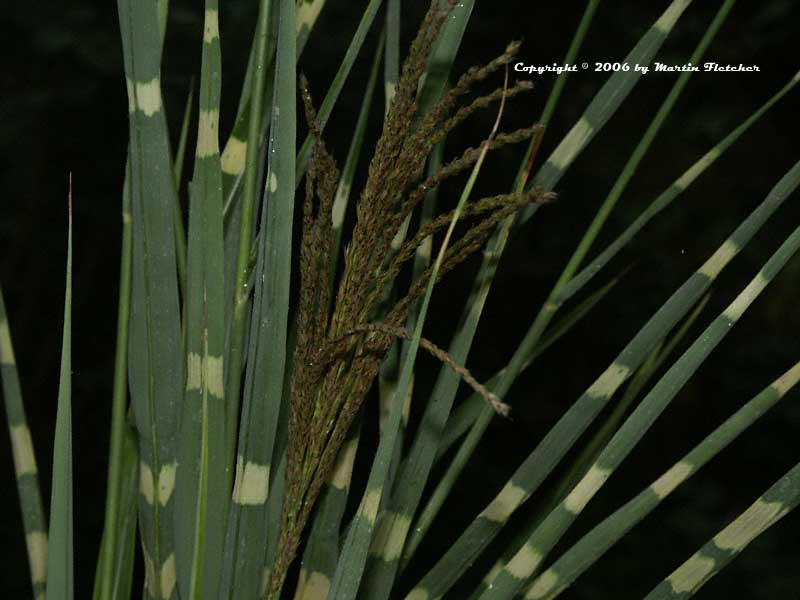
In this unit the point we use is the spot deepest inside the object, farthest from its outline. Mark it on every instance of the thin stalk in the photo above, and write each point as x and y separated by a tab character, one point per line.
344	188
240	291
177	211
184	136
119	394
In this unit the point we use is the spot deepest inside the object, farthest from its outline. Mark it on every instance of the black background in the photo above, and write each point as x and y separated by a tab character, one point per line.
63	109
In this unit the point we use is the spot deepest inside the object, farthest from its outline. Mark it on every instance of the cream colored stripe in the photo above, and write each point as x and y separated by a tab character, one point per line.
251	486
751	523
390	535
148	97
586	488
691	575
787	381
743	301
211	26
609	381
168	577
6	349
194	365
340	477
370	505
307	13
22	448
665	484
166	483
524	563
214	376
233	156
505	503
724	254
208	134
36	541
146	485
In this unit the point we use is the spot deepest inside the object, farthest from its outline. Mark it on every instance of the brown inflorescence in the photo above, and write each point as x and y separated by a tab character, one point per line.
340	344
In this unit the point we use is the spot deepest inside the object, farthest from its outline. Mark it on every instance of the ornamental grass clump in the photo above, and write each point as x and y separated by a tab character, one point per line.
239	402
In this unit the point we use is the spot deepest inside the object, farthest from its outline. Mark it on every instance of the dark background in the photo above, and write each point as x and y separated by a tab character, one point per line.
63	108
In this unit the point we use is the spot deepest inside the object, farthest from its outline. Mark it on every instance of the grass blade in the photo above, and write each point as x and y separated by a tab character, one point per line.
391	70
233	156
113	545
771	507
25	469
256	89
60	569
341	201
233	164
118	546
264	380
184	136
241	273
558	88
248	133
594	544
432	87
203	478
574	422
638	383
180	234
155	351
434	81
462	421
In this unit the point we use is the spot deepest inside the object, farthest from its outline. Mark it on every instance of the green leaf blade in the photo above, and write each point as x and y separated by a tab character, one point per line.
203	476
249	530
60	567
156	350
